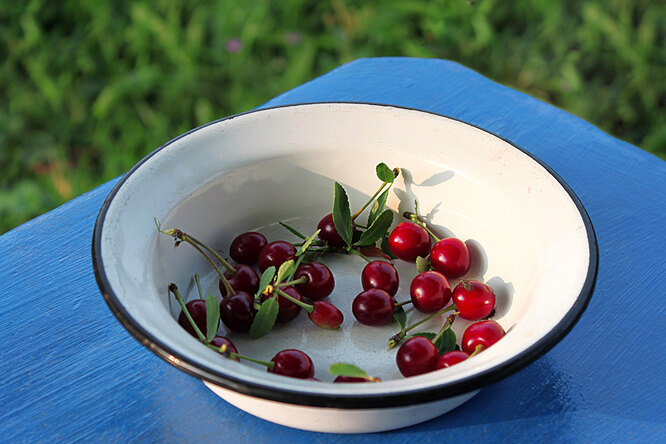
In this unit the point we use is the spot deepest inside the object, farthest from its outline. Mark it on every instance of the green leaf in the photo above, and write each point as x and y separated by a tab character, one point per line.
385	173
385	247
293	230
378	207
212	317
308	241
445	343
266	278
285	270
378	229
400	317
344	369
422	264
342	214
299	259
265	318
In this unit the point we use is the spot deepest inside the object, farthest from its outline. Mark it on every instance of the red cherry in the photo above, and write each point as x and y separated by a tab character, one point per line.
197	309
219	341
409	240
275	254
474	300
243	279
320	282
451	358
328	232
416	356
381	275
373	307
430	291
245	248
326	315
483	333
450	257
237	312
287	310
292	363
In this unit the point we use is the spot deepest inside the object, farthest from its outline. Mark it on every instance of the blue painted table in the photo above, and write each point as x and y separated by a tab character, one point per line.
71	372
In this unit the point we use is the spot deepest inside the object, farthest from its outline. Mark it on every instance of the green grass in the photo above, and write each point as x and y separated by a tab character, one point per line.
93	86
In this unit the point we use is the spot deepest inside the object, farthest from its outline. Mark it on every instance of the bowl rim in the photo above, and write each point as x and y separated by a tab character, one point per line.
348	400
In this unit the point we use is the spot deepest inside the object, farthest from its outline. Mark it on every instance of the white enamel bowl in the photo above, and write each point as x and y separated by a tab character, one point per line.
530	237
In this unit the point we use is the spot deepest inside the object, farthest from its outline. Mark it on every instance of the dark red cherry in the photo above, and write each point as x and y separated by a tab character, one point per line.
326	315
328	232
474	300
292	363
320	282
245	248
409	240
450	257
416	356
287	310
243	279
197	309
237	312
373	307
349	379
275	253
430	291
483	334
219	341
451	358
381	275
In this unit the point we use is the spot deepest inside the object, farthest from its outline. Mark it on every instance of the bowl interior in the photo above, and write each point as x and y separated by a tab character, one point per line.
528	238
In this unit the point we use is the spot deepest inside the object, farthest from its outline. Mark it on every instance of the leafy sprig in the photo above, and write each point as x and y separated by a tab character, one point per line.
379	218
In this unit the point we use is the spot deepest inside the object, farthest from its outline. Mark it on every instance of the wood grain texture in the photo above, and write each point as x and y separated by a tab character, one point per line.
71	372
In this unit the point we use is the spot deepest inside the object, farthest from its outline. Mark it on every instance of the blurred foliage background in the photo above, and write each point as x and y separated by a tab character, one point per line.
88	87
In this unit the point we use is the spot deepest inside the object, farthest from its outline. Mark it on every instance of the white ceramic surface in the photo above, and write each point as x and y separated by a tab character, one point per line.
332	420
529	239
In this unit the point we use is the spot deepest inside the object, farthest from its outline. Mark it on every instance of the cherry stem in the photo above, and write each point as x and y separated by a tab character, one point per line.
395	340
181	236
174	289
415	218
374	196
478	349
224	350
300	280
358	253
446	326
230	268
225	282
196	279
307	307
400	304
315	243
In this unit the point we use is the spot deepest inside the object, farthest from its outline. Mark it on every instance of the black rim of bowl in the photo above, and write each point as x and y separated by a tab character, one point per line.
349	401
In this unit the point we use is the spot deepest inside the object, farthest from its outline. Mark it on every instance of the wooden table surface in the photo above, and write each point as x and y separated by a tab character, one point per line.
71	372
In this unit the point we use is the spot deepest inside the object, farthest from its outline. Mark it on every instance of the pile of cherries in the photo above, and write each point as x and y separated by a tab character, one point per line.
289	281
244	295
430	293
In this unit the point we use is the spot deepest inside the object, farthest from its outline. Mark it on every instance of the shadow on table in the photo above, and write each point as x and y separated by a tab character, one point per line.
536	391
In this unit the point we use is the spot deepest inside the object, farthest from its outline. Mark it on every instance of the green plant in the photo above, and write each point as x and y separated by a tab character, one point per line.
93	86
